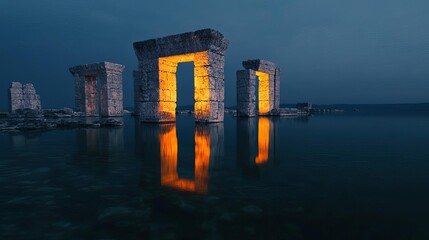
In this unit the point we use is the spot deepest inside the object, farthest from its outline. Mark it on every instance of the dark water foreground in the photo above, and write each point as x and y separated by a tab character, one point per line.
340	176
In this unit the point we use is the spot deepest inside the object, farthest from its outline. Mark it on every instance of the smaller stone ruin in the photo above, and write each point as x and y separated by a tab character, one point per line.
23	97
268	102
104	98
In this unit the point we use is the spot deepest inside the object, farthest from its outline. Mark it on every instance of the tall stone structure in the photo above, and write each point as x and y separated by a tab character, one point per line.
23	97
268	91
110	101
155	84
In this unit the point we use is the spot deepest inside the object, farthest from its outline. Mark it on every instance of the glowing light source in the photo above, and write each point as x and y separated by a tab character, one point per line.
169	150
263	140
264	92
168	85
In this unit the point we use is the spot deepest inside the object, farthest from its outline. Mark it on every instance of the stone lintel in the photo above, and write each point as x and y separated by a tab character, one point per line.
190	42
261	65
96	69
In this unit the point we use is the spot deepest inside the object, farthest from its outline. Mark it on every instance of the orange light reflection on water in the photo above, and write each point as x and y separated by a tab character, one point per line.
263	140
169	150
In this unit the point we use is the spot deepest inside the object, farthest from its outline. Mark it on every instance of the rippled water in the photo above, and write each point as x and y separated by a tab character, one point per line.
338	176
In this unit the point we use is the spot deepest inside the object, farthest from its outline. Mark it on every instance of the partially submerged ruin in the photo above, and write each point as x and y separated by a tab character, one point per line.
23	97
155	80
99	87
268	90
108	100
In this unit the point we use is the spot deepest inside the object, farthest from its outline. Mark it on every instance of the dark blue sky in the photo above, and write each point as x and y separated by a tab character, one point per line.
330	51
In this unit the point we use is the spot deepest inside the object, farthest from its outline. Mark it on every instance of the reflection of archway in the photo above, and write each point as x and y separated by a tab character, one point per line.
263	140
155	81
268	89
208	143
257	141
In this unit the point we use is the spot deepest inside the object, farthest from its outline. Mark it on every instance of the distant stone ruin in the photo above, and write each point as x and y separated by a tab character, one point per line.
108	101
268	90
23	97
155	95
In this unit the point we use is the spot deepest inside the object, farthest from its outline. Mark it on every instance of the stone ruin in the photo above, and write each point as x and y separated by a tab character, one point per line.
108	101
268	90
155	95
23	97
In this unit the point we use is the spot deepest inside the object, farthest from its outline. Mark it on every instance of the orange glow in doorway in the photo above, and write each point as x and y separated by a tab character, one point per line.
168	86
263	140
169	150
264	92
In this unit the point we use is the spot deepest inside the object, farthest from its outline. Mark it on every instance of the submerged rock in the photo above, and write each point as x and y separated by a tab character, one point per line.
111	122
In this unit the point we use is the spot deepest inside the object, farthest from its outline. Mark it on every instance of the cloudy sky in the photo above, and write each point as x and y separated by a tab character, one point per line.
330	51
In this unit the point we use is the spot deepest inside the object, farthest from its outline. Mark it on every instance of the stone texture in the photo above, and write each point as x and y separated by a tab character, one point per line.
155	80
23	97
269	88
50	119
110	85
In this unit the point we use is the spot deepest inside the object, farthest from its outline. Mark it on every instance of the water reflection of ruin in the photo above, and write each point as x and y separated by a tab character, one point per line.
257	141
161	142
100	143
21	140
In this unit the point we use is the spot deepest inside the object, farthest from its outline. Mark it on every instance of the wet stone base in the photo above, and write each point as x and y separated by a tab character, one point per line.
51	119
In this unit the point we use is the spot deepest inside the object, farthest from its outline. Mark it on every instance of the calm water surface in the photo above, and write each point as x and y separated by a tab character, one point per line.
338	176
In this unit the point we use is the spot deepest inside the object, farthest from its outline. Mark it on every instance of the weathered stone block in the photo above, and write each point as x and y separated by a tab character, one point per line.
23	97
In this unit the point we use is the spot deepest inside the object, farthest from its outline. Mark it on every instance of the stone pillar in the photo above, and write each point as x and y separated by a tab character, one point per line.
15	97
277	89
209	87
79	89
111	94
246	93
146	88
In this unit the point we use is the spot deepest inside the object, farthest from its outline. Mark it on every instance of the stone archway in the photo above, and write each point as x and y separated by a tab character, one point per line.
155	85
268	92
110	96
